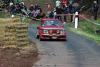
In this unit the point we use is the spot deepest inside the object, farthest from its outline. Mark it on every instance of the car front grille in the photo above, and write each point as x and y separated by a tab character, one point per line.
54	31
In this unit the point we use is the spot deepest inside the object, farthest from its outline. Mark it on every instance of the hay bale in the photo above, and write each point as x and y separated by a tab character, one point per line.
14	32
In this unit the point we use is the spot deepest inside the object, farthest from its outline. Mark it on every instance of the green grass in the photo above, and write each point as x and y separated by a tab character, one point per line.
2	15
87	29
89	35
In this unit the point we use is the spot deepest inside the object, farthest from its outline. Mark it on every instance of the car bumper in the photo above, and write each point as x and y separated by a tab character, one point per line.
53	36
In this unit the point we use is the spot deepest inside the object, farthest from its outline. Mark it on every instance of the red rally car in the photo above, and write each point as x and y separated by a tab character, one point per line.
51	29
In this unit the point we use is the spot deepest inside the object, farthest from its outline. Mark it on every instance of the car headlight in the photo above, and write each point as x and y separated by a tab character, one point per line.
62	32
45	31
58	31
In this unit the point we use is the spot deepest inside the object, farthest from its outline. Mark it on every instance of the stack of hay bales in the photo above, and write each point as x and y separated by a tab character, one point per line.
1	30
14	33
22	34
1	33
10	35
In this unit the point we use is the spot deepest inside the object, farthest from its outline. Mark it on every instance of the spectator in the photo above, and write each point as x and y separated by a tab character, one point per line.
51	15
31	8
59	11
23	8
70	1
18	9
37	13
48	14
17	1
54	11
48	10
71	11
12	9
58	3
66	11
39	8
8	1
76	8
95	8
64	2
36	6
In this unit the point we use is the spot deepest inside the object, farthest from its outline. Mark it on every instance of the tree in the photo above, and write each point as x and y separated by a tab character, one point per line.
88	3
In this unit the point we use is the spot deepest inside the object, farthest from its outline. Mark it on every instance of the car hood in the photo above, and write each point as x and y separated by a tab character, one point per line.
53	27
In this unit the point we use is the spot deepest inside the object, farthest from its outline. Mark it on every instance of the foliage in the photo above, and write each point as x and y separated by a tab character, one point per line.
1	3
87	29
88	3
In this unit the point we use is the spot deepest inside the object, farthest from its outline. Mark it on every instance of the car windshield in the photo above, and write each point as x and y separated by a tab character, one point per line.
52	23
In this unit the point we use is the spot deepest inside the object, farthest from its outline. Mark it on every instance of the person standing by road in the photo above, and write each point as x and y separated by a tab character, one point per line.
12	10
59	11
71	11
49	8
65	11
95	8
36	6
31	8
58	3
76	8
64	2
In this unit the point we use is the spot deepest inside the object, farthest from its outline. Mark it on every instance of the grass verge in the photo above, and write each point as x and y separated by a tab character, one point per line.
87	29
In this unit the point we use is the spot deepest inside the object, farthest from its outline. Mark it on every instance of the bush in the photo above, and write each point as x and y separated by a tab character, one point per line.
1	3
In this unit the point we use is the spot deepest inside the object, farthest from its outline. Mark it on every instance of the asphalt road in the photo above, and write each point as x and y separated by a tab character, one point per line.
78	51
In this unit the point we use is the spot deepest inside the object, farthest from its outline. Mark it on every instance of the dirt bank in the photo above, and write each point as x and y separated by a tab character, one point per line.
18	57
12	52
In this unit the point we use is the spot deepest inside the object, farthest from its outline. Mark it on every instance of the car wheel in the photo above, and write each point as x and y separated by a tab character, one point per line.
41	39
64	40
37	37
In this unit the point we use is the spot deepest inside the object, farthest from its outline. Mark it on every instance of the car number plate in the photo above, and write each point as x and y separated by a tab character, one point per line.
54	37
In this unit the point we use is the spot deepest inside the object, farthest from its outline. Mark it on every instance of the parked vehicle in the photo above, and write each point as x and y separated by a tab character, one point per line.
51	29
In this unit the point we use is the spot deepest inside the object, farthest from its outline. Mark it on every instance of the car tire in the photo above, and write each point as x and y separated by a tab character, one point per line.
37	37
64	40
41	39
